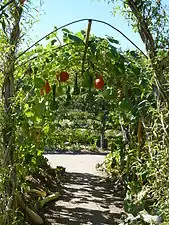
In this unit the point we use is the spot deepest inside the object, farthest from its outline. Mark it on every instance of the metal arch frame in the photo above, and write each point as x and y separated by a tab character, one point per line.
81	20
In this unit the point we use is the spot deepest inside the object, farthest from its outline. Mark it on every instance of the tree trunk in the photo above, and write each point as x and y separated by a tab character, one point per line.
151	48
10	183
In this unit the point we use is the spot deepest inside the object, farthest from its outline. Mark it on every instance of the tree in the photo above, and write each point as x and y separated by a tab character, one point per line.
12	15
10	33
150	20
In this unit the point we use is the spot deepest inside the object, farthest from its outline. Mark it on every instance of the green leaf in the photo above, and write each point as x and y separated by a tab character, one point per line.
39	153
54	91
3	25
27	158
65	30
39	108
109	94
92	47
26	107
33	160
126	104
75	38
76	90
59	91
53	41
112	40
38	82
53	35
54	105
87	80
46	129
136	70
80	35
29	114
113	51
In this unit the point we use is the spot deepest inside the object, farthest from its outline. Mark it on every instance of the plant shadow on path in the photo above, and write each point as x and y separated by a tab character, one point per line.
86	199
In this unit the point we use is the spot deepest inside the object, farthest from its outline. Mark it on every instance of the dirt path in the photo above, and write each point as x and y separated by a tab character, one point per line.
87	198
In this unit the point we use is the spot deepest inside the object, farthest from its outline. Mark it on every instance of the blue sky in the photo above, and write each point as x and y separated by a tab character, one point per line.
60	12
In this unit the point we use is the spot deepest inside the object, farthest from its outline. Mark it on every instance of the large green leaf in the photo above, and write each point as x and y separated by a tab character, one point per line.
114	52
87	80
126	104
109	94
92	47
112	40
66	30
39	108
59	90
38	82
75	38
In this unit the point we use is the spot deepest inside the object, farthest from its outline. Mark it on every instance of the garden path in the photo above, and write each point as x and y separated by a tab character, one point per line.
88	198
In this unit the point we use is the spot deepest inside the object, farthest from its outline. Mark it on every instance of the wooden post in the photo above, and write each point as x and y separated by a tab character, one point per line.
86	44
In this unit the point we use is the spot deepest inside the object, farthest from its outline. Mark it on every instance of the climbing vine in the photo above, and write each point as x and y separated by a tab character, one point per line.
48	89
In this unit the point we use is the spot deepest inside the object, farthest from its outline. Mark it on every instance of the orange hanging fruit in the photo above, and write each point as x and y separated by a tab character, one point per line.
47	87
99	83
63	76
42	91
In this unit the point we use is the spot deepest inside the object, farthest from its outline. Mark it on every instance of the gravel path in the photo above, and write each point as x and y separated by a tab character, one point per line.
87	198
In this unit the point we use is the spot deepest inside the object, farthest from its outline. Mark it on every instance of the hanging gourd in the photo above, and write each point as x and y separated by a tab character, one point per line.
68	98
63	76
54	91
47	87
99	83
76	90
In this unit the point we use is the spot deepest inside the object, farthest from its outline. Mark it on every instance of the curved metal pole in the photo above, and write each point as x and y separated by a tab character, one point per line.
100	21
81	20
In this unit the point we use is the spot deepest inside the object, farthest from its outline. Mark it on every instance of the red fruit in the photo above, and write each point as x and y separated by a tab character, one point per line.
99	83
63	76
42	91
47	87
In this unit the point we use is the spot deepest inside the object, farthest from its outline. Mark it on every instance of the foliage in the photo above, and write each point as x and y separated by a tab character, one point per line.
126	97
128	81
146	163
36	117
44	64
130	108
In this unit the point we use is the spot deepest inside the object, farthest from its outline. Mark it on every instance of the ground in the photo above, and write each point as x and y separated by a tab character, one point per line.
87	197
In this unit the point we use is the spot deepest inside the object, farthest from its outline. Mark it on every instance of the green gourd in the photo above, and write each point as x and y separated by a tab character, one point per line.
76	90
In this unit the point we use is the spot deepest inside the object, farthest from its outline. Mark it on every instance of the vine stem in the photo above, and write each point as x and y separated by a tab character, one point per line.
81	20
